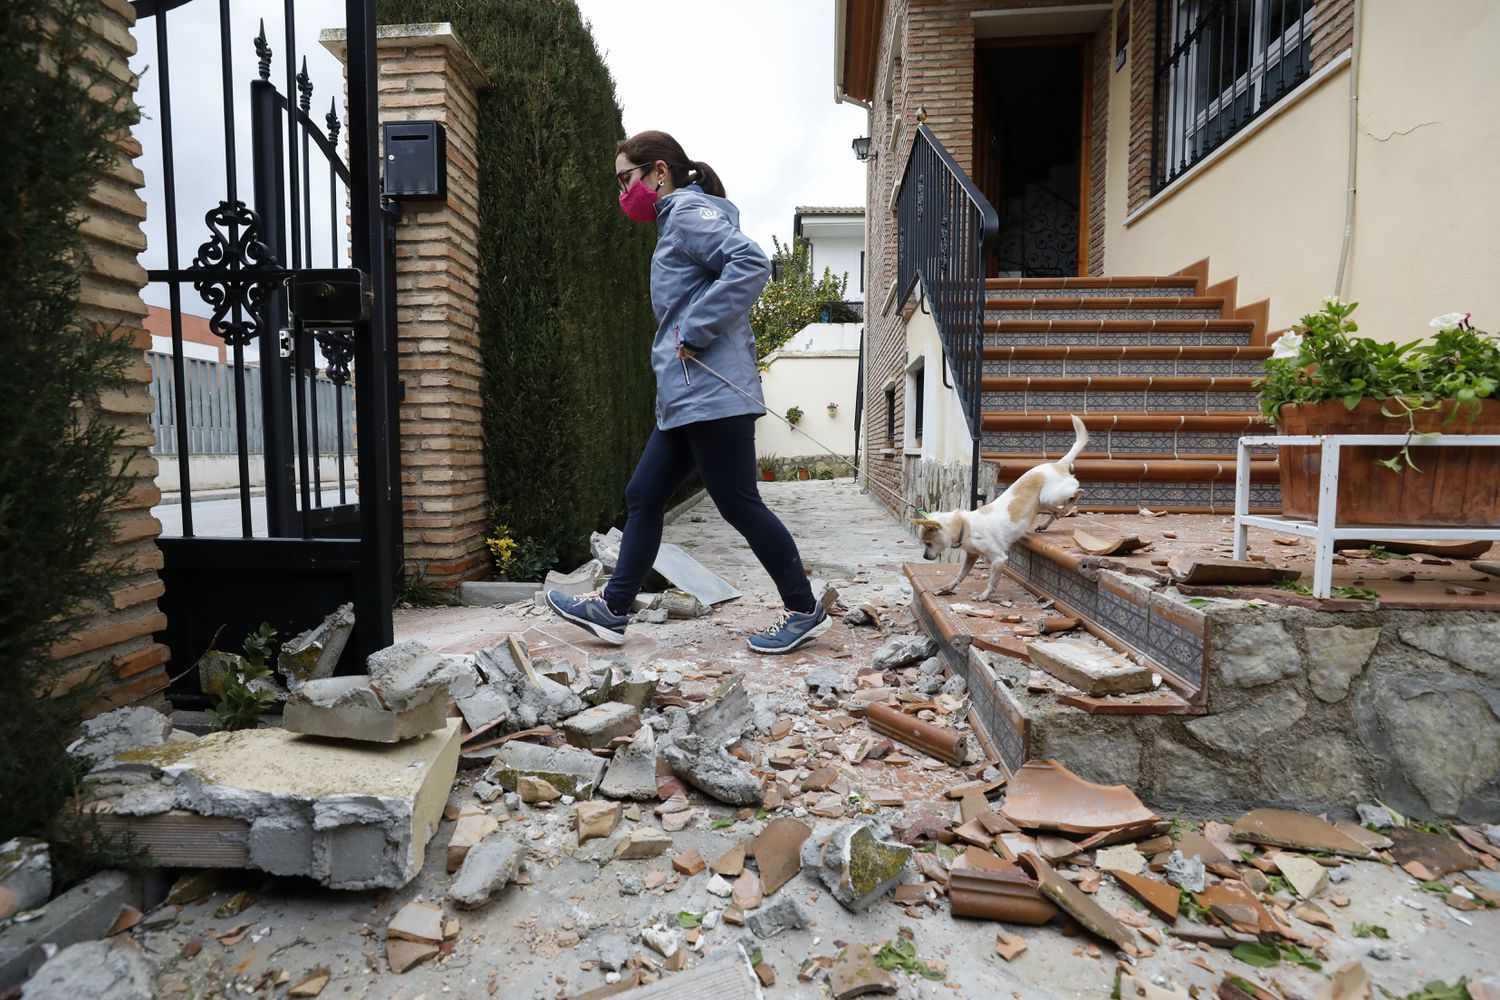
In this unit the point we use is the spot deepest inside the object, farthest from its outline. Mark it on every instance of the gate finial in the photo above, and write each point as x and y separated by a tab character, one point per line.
263	50
304	88
333	121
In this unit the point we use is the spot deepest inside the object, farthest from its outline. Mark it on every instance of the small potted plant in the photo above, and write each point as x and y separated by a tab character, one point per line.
767	466
803	473
1320	379
833	410
793	414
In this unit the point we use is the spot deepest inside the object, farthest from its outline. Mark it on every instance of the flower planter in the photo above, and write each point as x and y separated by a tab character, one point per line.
1455	487
803	474
768	475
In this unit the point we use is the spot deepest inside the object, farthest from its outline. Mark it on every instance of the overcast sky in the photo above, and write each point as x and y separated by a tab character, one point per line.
745	87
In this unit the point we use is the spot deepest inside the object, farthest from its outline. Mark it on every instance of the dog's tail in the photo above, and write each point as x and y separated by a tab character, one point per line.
1082	439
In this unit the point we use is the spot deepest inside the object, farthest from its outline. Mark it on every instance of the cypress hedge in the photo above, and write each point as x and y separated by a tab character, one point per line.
564	301
60	470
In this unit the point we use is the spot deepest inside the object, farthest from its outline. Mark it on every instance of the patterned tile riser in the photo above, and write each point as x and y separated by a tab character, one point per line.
1218	497
1142	401
1144	338
1134	292
1118	443
1175	649
1181	368
1135	313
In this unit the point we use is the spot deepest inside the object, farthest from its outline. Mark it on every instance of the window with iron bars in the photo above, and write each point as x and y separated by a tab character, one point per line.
1219	65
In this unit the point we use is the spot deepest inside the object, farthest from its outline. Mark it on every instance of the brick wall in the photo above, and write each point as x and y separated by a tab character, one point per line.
426	73
1100	73
1332	33
121	633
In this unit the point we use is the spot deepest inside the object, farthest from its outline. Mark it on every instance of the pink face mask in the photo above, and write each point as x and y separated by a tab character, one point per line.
639	203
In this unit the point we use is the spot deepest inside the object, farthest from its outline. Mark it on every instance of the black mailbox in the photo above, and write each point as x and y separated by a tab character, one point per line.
331	296
416	160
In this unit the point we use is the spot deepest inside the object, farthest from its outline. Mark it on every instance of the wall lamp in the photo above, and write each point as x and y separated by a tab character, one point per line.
862	150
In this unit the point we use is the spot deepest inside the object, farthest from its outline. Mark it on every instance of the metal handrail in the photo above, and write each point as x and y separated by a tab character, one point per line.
944	225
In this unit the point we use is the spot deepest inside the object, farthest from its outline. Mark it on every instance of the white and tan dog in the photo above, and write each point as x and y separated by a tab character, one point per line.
991	530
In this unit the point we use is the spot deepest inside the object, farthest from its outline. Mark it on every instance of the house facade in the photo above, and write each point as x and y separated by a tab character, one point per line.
817	371
1236	161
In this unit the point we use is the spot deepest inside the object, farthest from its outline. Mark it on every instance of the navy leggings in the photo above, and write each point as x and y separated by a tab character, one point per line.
723	452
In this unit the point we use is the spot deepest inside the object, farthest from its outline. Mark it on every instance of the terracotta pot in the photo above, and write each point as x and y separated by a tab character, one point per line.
1456	486
803	474
768	475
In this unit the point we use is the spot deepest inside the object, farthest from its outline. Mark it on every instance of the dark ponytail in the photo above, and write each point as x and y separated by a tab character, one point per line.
705	178
648	147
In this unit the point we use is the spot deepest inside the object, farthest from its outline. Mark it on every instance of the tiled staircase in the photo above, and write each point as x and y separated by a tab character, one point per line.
1159	371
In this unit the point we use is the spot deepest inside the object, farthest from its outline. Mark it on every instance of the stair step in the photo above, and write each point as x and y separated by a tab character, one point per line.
1148	394
1178	284
1104	308
1237	423
1118	332
1121	470
1187	361
1139	445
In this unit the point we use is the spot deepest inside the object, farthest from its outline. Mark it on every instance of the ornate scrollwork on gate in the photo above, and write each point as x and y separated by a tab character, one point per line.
338	351
234	246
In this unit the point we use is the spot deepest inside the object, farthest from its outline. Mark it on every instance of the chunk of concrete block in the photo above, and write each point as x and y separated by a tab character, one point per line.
281	845
349	708
486	705
473	825
105	735
1095	672
372	807
489	866
643	842
606	548
632	772
904	651
406	675
583	580
856	865
786	914
707	767
314	654
534	699
571	772
726	716
691	576
596	819
114	968
594	728
25	875
83	913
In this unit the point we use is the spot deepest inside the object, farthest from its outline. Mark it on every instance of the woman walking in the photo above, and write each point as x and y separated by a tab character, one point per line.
705	275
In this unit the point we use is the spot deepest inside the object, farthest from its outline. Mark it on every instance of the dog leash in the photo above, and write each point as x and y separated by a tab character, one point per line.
829	452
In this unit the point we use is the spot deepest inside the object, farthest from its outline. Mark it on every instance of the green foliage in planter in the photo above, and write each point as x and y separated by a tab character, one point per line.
565	317
1320	360
795	298
60	469
793	415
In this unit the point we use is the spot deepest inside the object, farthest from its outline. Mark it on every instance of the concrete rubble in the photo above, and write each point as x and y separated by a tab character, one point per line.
314	654
350	708
25	875
628	821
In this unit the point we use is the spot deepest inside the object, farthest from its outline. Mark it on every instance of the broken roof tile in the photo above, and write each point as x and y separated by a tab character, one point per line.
1044	795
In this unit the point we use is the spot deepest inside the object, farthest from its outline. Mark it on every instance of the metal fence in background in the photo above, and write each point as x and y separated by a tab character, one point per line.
208	393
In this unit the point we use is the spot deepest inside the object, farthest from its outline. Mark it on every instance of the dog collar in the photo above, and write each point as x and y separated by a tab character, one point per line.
963	534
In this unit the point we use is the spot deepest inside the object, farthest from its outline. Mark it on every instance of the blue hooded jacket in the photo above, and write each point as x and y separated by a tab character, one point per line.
705	275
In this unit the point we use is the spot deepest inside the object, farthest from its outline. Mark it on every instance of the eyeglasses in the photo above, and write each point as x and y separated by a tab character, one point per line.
623	177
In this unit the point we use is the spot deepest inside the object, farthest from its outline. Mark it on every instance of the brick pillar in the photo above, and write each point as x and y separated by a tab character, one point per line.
426	73
121	633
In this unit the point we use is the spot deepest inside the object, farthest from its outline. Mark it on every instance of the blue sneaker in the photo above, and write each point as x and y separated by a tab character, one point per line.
589	611
792	630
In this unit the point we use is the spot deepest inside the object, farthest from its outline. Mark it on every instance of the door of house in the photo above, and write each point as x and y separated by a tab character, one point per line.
1031	152
275	232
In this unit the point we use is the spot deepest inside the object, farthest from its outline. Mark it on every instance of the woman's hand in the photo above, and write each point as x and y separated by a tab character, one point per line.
686	352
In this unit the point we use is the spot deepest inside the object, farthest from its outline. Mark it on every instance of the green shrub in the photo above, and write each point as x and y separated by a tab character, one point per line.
60	470
565	315
794	298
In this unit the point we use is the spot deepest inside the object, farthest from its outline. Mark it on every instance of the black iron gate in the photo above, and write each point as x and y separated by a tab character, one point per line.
311	536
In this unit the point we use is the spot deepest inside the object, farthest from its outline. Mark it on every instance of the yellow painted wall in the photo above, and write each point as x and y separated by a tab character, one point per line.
1271	211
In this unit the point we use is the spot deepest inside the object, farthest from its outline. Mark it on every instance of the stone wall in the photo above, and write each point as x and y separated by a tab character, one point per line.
939	486
1307	709
121	633
426	73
